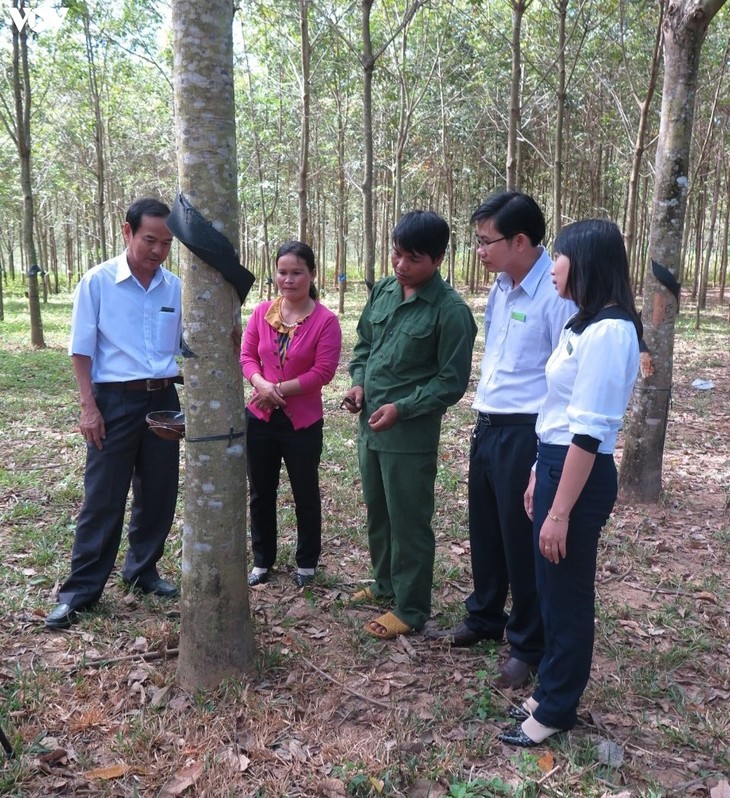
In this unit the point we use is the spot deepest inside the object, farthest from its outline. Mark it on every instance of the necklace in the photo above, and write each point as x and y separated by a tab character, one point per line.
285	323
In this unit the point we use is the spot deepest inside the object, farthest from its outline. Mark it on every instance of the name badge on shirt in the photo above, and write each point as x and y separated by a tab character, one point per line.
517	316
167	310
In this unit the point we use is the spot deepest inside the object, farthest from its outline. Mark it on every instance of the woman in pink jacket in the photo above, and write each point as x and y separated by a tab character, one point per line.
290	349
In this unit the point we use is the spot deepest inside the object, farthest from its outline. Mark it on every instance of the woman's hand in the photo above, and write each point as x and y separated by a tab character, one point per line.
529	494
265	394
553	537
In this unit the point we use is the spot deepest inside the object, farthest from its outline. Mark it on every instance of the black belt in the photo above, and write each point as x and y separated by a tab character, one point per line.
143	385
504	419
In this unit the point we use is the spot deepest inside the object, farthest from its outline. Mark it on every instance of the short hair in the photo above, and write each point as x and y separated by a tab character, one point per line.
599	268
147	206
422	233
305	253
512	212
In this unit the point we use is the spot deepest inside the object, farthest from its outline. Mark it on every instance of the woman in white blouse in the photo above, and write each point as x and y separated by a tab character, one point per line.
573	487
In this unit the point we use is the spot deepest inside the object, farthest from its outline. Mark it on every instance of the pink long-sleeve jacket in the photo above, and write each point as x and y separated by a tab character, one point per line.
312	358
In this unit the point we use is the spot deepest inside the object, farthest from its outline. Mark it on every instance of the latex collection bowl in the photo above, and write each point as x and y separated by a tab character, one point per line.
167	424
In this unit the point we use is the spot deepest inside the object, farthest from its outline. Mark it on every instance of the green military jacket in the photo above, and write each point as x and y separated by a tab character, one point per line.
415	353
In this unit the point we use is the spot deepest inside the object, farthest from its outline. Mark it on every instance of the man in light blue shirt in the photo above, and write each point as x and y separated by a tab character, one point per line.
125	333
523	320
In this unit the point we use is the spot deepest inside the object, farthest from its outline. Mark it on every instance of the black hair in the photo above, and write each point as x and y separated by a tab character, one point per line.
512	212
303	252
599	269
422	233
147	206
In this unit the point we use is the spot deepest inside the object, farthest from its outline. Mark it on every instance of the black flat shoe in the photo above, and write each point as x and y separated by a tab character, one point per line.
515	736
61	617
156	587
459	636
518	713
258	579
302	580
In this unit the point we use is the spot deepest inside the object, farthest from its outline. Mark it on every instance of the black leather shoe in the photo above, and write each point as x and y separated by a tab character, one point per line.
157	587
302	580
258	579
518	713
515	673
459	636
61	617
515	736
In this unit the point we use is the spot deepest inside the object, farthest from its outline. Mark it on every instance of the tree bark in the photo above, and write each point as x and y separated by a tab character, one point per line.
216	637
685	28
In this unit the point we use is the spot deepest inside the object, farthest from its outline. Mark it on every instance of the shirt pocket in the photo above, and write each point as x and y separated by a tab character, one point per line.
417	341
168	332
529	342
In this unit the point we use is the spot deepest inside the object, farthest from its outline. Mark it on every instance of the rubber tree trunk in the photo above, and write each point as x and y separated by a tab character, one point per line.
685	27
216	638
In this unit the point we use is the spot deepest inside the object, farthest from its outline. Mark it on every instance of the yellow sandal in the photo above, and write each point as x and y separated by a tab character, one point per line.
363	595
391	623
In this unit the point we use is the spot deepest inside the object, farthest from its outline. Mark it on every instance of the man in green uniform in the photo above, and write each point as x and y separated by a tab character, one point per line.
412	360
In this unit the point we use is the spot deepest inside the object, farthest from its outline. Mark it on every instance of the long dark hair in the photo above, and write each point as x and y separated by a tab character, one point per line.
305	253
599	269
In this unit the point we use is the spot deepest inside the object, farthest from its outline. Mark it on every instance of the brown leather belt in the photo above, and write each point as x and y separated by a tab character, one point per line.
143	385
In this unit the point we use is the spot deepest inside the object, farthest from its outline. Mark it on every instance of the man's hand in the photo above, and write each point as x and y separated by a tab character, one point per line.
352	400
529	493
384	418
92	425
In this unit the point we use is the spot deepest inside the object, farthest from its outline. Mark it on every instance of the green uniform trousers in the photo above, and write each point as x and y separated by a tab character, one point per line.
398	489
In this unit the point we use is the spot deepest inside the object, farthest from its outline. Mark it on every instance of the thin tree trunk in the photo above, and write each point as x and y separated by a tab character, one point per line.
640	143
512	174
98	139
22	96
709	243
368	66
304	134
562	8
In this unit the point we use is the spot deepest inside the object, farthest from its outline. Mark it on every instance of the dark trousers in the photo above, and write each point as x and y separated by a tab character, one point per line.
398	489
500	533
268	443
567	590
130	454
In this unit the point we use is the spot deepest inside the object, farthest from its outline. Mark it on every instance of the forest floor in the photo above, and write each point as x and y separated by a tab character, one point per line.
330	710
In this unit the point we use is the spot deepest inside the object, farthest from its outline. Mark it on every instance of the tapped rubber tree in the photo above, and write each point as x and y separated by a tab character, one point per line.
216	637
685	28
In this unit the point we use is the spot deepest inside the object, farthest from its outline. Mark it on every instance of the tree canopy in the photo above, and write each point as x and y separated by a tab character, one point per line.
103	126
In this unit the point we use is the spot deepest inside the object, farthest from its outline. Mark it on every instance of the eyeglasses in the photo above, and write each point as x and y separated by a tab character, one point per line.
483	242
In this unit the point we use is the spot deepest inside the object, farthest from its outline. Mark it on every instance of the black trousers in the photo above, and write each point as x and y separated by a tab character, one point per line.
130	454
268	443
500	533
567	590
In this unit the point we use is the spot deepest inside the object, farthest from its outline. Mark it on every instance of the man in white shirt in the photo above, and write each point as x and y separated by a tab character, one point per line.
523	320
125	333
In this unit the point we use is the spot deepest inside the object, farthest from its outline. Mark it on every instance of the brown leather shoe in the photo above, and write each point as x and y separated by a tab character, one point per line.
459	636
514	673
